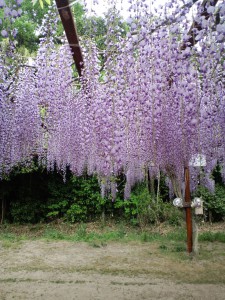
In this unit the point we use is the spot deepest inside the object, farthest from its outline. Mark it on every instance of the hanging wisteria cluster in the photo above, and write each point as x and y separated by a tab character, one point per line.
159	103
11	11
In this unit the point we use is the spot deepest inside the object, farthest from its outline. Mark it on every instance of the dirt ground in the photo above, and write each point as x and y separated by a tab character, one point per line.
54	270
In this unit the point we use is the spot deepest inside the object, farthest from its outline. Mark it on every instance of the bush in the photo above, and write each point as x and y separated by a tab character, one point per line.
76	200
40	196
27	211
141	209
138	209
214	204
173	215
26	197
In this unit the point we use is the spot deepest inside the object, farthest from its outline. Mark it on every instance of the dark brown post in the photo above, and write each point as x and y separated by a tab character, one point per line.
71	32
188	209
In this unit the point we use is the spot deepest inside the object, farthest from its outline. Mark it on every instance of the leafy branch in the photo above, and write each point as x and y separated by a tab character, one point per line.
41	2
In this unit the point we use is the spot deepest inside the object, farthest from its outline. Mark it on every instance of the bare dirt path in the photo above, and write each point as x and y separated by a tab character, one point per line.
66	270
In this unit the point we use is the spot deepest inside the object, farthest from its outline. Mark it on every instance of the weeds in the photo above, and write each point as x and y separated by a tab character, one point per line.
179	248
53	234
212	237
163	247
82	231
10	240
171	239
7	236
150	236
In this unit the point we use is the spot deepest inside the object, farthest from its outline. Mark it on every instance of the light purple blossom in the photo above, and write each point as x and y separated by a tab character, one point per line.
2	3
210	9
154	109
19	2
4	33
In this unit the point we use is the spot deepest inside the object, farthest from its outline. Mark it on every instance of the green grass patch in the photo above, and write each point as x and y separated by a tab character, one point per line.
171	239
53	234
10	240
82	234
178	235
150	236
209	236
7	236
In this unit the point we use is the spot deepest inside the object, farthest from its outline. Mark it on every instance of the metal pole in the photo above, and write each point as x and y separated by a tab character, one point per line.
188	209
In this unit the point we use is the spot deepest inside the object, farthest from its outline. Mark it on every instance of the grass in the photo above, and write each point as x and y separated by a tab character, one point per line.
11	240
159	252
54	234
97	237
169	239
212	237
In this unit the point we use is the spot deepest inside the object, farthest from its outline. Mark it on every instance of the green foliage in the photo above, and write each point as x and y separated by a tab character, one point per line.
24	194
141	209
41	2
35	14
76	200
76	213
27	25
219	204
137	208
39	196
214	204
86	199
57	209
172	215
23	212
26	36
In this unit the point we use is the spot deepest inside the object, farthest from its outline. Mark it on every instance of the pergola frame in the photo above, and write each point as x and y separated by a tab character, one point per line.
71	32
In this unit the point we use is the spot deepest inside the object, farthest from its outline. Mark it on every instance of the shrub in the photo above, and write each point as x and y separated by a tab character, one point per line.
214	204
141	209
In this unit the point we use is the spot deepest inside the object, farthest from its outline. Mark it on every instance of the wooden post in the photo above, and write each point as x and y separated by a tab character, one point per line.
188	209
71	32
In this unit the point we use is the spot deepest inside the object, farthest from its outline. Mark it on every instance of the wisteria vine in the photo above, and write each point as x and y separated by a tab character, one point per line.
159	102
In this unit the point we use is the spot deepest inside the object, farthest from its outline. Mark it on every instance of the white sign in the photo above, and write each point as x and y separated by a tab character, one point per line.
198	160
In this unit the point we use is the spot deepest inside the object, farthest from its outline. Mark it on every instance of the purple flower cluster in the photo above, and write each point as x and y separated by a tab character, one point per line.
11	11
157	104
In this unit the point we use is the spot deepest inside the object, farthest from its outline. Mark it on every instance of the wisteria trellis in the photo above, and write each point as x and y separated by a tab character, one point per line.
155	107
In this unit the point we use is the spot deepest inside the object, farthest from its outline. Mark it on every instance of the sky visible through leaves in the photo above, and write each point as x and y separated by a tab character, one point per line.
101	7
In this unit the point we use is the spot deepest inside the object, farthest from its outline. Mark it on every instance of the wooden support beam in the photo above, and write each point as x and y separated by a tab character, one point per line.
71	32
188	210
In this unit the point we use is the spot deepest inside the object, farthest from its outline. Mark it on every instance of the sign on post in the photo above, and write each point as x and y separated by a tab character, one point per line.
198	160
